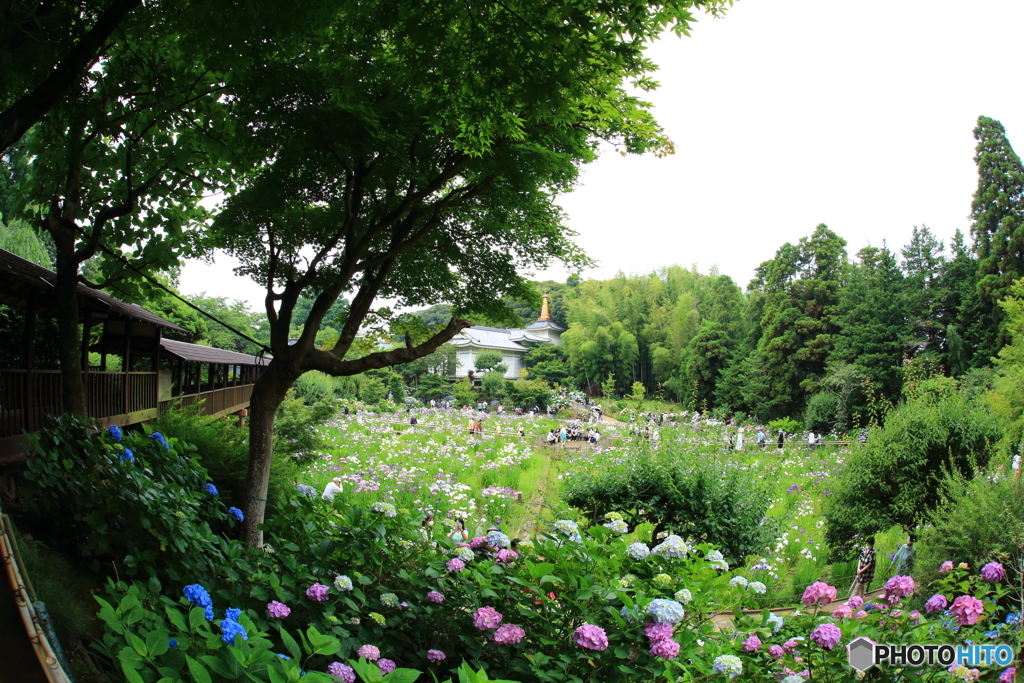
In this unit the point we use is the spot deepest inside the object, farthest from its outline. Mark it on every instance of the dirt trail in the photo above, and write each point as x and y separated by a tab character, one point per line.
723	620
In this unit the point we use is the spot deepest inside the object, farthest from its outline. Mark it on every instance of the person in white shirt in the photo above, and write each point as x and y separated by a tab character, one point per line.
333	487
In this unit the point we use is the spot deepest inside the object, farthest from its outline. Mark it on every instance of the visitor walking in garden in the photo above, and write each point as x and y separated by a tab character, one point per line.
865	568
904	558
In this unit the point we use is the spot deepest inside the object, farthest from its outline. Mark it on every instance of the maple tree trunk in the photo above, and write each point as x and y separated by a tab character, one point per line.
267	395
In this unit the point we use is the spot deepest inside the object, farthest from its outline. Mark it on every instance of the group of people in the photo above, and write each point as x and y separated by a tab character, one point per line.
572	432
902	563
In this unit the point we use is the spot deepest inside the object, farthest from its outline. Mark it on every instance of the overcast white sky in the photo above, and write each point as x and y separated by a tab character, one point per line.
786	114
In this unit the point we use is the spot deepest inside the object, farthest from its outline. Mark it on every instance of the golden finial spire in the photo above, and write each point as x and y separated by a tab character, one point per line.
545	314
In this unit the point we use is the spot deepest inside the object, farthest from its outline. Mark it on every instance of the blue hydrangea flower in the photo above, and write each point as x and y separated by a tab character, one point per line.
637	550
776	621
229	628
730	665
740	581
665	611
342	582
237	514
128	456
672	547
233	613
716	560
569	529
115	432
757	587
284	656
198	595
306	490
617	525
992	634
498	539
159	438
172	643
208	613
387	508
211	489
1012	618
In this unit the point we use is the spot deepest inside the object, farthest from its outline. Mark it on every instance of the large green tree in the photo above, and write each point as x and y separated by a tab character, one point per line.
412	151
997	215
800	320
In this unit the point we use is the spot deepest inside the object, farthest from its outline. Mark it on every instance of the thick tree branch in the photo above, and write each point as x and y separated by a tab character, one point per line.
327	362
30	109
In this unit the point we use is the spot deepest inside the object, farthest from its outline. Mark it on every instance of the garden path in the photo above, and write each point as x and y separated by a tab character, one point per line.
723	620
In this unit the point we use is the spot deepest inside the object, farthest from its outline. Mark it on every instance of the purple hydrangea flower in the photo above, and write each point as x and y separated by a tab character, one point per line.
317	592
667	648
509	634
936	603
386	666
369	652
486	617
819	593
455	565
826	635
946	567
506	555
278	610
752	644
776	651
436	656
342	672
656	631
897	588
967	610
434	596
1008	675
591	637
993	572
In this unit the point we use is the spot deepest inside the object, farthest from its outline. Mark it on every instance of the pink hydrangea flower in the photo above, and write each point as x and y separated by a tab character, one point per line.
855	602
1008	675
842	612
897	588
946	567
509	634
591	637
826	635
455	565
486	617
993	572
386	666
776	651
791	645
434	596
657	631
477	541
317	592
342	672
278	610
915	616
860	615
436	656
369	652
506	555
752	644
819	593
936	603
967	610
667	648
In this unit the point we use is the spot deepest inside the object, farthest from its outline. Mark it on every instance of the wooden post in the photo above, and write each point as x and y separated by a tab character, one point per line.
86	331
156	368
29	346
126	368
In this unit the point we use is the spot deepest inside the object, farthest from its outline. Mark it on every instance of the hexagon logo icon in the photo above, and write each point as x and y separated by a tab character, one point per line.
861	654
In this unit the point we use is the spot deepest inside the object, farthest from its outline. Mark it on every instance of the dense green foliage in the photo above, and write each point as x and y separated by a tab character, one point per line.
896	477
685	494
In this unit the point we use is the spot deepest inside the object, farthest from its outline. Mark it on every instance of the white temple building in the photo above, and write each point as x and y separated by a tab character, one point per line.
511	343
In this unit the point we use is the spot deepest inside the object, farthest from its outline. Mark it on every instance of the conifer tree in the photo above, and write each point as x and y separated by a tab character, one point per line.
997	214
